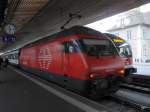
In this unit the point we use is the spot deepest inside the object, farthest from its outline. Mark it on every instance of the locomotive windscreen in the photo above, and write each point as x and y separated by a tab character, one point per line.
122	46
97	47
125	50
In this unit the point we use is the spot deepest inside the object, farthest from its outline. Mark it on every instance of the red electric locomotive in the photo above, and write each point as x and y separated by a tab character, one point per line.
78	58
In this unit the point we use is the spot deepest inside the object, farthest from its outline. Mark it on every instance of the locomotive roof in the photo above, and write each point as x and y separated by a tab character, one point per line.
80	30
116	39
70	31
113	36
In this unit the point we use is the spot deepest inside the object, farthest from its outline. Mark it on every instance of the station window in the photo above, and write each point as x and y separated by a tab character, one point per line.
137	60
128	35
147	61
144	33
122	22
144	50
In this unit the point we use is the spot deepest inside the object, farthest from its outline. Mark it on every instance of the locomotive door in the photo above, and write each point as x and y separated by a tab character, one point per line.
71	56
72	59
65	62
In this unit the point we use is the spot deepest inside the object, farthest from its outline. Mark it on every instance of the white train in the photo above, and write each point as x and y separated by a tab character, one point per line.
12	57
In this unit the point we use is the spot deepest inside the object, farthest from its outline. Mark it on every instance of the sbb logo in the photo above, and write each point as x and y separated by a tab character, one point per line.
45	58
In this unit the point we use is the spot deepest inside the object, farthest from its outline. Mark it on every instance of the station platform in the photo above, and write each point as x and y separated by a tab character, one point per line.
143	69
18	94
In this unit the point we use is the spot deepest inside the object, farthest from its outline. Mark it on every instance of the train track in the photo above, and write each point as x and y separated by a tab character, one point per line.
129	98
134	96
118	105
123	105
136	88
139	80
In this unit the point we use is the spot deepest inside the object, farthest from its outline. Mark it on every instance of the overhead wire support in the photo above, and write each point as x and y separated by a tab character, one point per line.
71	17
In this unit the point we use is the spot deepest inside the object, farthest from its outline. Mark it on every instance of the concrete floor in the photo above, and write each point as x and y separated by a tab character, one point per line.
18	94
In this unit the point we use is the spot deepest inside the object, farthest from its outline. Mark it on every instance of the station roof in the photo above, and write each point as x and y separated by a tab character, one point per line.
35	19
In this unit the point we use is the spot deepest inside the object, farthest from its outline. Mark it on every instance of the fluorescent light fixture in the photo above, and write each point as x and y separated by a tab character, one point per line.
1	53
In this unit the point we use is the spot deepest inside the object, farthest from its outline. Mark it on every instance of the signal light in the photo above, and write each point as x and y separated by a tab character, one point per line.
127	62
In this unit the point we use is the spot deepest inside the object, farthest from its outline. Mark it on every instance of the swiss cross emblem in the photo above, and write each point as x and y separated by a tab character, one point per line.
45	58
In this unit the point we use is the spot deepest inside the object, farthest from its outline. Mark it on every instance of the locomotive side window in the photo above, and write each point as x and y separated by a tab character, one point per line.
71	47
97	47
125	51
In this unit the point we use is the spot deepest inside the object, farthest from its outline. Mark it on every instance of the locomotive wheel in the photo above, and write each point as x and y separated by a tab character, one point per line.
128	73
115	84
98	89
129	80
94	95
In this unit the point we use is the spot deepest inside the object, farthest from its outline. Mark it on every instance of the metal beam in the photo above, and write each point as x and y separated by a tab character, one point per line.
49	19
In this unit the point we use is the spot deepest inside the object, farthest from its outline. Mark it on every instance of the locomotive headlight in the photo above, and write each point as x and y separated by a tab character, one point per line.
121	71
92	75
